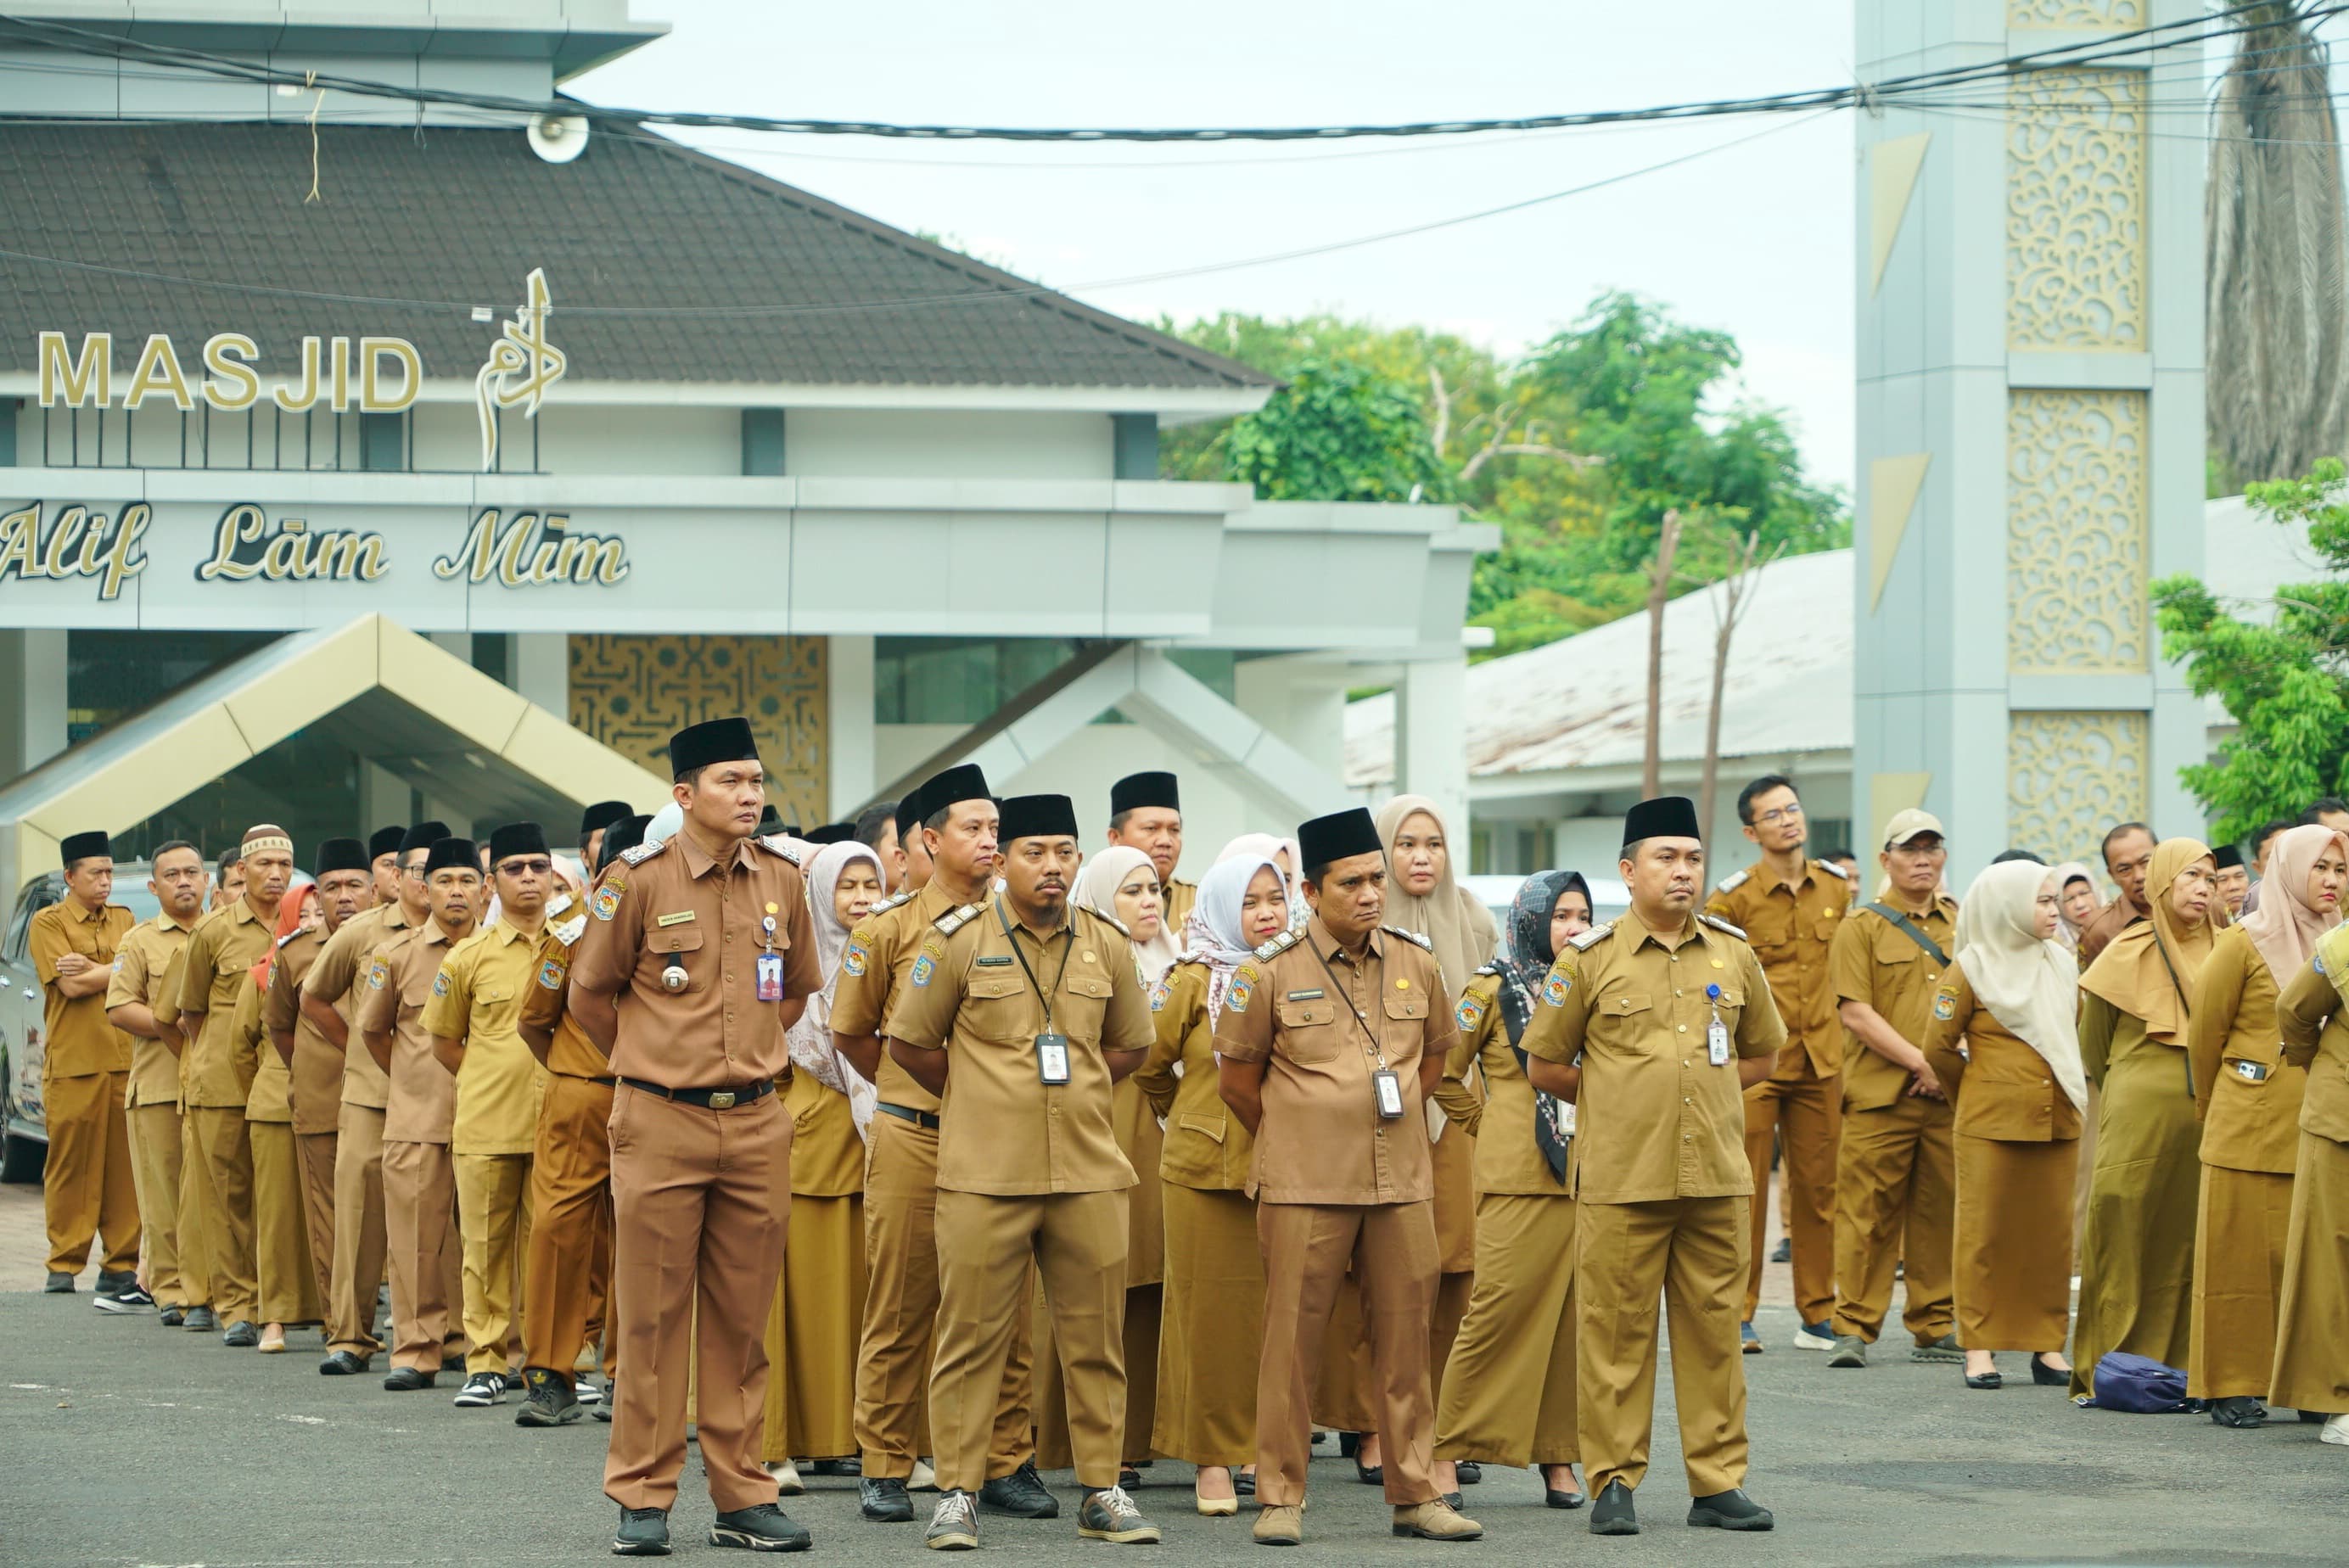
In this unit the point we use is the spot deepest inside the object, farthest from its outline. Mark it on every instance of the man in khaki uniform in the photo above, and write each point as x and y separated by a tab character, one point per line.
420	1182
1022	1015
950	840
383	865
473	1018
594	822
89	1191
329	998
345	879
699	954
1654	1025
224	945
1789	908
1145	813
1331	1039
1895	1185
178	1275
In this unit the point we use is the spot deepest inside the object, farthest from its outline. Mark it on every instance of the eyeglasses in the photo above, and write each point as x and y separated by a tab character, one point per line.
540	866
1778	814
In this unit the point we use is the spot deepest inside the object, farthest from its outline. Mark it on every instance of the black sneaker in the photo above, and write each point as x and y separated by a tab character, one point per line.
200	1320
130	1298
1020	1494
642	1532
241	1334
406	1380
482	1390
884	1500
550	1403
603	1407
173	1317
1731	1510
1612	1513
58	1284
2239	1411
954	1523
761	1527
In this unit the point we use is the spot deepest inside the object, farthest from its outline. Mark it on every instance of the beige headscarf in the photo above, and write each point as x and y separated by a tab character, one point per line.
2285	926
1096	890
1464	930
2148	971
2031	984
2062	877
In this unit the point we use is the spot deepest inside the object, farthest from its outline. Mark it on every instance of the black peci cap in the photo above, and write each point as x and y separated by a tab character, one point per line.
602	814
449	853
966	781
700	745
422	836
832	833
625	834
1136	790
1339	836
2227	855
334	855
1037	817
84	847
384	842
1665	816
516	839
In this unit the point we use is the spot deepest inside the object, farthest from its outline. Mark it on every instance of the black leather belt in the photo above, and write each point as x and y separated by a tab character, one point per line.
711	1098
908	1113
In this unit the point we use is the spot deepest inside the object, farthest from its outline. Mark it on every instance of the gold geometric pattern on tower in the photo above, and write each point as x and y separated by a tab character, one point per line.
632	693
2086	15
2076	533
2070	775
2076	211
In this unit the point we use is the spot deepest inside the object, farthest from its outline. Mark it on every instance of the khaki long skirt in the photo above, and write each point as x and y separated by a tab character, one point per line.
1510	1396
1209	1337
2241	1231
811	1332
2137	1261
2312	1364
281	1229
2013	1243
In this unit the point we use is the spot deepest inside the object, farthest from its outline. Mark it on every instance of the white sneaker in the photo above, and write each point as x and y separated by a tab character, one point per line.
787	1478
2335	1430
924	1479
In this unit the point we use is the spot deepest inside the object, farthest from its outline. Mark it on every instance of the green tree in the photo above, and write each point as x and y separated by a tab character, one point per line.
2284	681
1337	431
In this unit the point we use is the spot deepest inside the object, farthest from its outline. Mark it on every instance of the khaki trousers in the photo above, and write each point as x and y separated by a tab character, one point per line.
493	1221
359	1238
568	1272
222	1175
1307	1249
419	1223
1806	1116
700	1201
177	1274
1510	1396
1693	1252
901	1312
1077	1242
288	1283
316	1151
87	1187
1896	1205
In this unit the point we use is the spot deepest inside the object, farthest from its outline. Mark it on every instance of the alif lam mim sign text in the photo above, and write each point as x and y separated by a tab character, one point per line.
521	551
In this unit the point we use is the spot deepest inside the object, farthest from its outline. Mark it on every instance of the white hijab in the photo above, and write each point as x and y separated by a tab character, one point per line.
811	1039
1096	890
2030	984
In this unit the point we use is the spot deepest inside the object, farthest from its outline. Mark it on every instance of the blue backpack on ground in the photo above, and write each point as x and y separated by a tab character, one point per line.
2137	1383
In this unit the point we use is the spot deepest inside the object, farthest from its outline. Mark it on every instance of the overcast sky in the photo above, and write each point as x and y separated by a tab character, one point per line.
1755	239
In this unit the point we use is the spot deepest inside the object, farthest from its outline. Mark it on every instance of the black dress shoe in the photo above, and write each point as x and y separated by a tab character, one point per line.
1731	1510
642	1532
1128	1478
1553	1498
1986	1380
1470	1472
1784	1253
2046	1377
849	1466
408	1380
1347	1443
341	1364
1022	1494
761	1527
1613	1514
2239	1411
884	1500
1370	1475
200	1320
58	1284
2313	1417
1243	1484
172	1316
241	1334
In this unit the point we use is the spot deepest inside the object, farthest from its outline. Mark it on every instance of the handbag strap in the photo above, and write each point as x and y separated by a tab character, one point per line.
1909	929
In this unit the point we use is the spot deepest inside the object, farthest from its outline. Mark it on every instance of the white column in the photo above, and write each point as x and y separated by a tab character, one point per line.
1430	738
32	699
848	719
539	667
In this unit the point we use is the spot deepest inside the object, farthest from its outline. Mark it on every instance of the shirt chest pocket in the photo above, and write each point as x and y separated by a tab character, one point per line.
670	948
1083	999
1309	1029
1406	1024
494	1003
999	1006
1631	1019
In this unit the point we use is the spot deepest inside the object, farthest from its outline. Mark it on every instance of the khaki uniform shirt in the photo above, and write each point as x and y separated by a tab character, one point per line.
139	965
2315	1028
271	1098
677	902
2001	1088
400	980
1178	896
1001	1130
334	977
1321	1138
1207	1148
82	1042
477	997
545	1005
1874	962
318	1068
1654	1119
873	970
1508	1156
1790	926
2247	1123
223	945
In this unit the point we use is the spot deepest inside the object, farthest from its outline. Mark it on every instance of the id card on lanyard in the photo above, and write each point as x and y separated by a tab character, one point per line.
770	963
1716	1033
1386	1089
1052	1046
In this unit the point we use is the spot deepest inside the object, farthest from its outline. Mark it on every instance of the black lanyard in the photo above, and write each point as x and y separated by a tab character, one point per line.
1378	1054
1067	948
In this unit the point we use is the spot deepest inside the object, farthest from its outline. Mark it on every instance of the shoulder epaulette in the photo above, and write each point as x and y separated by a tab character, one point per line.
1112	922
1718	923
1592	937
954	920
568	932
288	937
892	902
638	854
1832	869
1279	944
1424	941
773	848
1489	969
1731	882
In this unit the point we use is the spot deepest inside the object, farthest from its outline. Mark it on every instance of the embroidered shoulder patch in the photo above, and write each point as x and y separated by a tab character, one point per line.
1471	1011
1424	940
1555	988
1945	1005
607	899
858	951
1243	986
1158	997
925	963
1592	937
378	972
440	983
551	973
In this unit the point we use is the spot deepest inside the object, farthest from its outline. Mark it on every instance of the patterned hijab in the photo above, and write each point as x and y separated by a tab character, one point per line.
1525	957
809	1039
1211	935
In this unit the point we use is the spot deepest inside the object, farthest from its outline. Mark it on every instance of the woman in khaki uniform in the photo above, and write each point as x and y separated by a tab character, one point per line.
2312	1360
281	1243
1213	1310
2003	1045
819	1308
2137	1261
1511	1397
2249	1099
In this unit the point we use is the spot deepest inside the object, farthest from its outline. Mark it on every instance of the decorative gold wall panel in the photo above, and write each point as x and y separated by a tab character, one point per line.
2069	776
2076	211
2086	15
633	693
2076	533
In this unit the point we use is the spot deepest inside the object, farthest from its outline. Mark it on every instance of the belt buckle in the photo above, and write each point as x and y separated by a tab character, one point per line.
722	1100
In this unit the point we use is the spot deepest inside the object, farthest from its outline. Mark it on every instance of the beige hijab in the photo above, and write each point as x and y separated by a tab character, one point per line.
1096	890
1464	930
2285	926
2031	984
2148	971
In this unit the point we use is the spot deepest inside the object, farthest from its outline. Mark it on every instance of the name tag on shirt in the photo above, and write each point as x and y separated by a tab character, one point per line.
991	960
679	918
1716	1043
